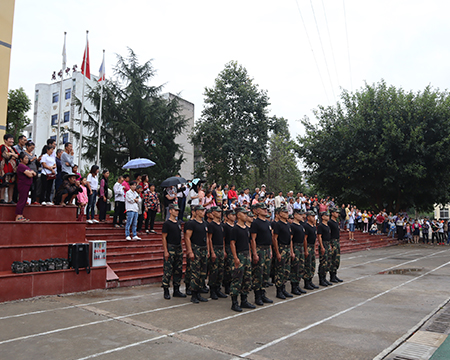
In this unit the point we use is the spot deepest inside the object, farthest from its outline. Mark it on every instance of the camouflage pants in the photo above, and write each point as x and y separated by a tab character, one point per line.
324	260
283	267
187	274
261	268
297	264
335	255
268	267
173	266
216	268
198	267
228	265
310	263
242	276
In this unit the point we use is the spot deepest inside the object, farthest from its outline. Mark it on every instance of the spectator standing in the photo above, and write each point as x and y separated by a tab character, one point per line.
119	203
24	180
67	159
92	184
75	171
152	206
182	192
20	146
342	216
103	196
8	167
232	194
132	199
59	176
82	198
33	165
48	175
208	200
279	199
126	183
170	197
380	221
351	224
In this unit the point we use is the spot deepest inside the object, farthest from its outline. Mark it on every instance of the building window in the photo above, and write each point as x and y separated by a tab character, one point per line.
53	137
55	97
66	116
443	213
68	93
36	96
54	119
65	138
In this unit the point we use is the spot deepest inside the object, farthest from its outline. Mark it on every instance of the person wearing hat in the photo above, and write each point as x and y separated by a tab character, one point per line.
324	238
335	247
173	253
216	254
242	270
282	249
230	218
250	218
310	256
67	191
261	242
299	246
197	251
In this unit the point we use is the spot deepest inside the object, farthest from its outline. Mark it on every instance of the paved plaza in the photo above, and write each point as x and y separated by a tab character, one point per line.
387	293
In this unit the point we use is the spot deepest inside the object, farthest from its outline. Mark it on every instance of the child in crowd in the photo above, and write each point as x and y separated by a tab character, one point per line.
392	229
408	232
132	202
82	198
233	204
416	231
373	229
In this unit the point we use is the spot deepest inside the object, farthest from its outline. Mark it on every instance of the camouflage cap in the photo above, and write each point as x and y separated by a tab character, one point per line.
209	211
260	205
216	208
250	214
241	209
324	213
198	207
229	212
299	211
310	213
334	209
174	207
283	209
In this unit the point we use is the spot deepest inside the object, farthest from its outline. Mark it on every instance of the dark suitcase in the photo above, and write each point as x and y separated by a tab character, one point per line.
79	257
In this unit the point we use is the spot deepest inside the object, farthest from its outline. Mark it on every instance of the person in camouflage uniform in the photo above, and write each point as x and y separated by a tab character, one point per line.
242	271
173	253
335	247
299	246
228	225
216	259
310	255
324	238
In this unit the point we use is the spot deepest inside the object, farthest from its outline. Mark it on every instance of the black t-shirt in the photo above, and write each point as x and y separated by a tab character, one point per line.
311	232
173	231
227	229
242	238
334	227
283	231
217	233
324	230
263	231
199	231
298	233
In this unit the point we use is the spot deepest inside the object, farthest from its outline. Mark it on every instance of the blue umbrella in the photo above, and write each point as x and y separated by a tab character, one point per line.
138	164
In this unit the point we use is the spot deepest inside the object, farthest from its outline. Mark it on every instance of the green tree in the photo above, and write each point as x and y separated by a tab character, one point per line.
18	106
381	147
137	121
233	130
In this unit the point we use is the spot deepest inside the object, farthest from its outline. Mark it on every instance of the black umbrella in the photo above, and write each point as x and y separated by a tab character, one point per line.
172	181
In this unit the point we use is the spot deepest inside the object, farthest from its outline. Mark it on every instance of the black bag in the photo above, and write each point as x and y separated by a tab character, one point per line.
79	257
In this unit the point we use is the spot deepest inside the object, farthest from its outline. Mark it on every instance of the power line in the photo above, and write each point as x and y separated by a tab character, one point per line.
323	51
314	55
331	43
348	47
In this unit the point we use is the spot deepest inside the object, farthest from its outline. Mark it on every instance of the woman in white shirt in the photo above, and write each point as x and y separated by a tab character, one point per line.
92	186
48	175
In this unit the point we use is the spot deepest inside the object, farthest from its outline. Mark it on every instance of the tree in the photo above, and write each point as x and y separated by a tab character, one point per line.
137	121
232	133
18	106
381	147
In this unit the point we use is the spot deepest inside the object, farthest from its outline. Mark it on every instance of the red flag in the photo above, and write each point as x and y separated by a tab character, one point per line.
86	58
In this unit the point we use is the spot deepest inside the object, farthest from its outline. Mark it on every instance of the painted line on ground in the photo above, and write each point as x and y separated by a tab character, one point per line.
276	341
253	311
379	259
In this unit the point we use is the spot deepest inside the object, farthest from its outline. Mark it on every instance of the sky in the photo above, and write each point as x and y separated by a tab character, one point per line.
303	52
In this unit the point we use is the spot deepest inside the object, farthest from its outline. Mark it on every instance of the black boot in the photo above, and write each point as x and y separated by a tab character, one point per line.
264	298
204	290
227	288
245	304
177	292
194	297
340	280
220	294
201	298
308	285
234	304
166	294
300	289
188	290
280	294
313	285
322	281
333	278
258	300
285	293
294	289
212	291
325	279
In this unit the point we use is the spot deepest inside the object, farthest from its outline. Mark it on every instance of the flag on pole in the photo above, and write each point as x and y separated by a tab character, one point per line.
64	62
101	76
85	63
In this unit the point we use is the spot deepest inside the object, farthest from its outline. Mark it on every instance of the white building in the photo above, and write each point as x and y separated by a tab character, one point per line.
46	116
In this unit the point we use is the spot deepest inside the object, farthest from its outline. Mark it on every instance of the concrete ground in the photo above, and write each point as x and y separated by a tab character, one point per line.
356	319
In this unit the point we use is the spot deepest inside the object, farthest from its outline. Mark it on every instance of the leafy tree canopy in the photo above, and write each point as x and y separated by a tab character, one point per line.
18	105
381	147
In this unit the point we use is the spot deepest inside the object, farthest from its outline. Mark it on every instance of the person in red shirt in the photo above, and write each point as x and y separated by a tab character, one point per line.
232	194
380	221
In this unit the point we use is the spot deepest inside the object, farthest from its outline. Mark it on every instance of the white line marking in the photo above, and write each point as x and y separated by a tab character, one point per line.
375	260
276	341
257	309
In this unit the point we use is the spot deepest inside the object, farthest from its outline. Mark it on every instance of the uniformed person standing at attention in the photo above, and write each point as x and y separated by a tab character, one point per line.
228	225
282	250
173	253
335	248
299	246
261	242
197	251
310	255
242	271
216	260
324	237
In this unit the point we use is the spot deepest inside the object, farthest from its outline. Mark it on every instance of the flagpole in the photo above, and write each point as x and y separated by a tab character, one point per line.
82	103
61	91
100	115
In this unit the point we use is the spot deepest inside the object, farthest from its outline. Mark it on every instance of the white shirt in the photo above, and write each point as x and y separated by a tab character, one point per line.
130	204
191	194
93	181
119	192
49	161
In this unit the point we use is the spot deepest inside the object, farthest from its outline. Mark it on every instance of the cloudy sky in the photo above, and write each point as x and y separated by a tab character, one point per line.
296	50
